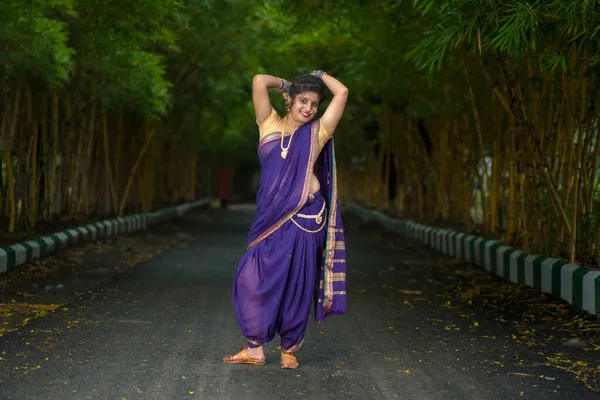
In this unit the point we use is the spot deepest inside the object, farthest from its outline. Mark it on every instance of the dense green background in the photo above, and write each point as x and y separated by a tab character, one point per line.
468	83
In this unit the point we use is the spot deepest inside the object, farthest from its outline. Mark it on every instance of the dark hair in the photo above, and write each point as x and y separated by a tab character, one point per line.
307	83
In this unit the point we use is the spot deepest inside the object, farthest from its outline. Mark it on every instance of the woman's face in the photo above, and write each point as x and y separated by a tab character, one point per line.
304	107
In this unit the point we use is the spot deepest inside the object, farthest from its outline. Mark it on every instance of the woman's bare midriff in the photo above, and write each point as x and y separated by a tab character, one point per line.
314	185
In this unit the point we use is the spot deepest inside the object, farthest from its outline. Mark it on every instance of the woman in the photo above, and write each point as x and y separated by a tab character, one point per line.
297	236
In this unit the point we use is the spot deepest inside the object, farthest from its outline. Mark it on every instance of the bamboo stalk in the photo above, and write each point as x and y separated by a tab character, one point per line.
52	165
22	173
540	223
555	128
33	187
77	172
582	141
46	155
15	113
552	189
497	91
592	177
4	121
193	179
70	156
150	173
85	198
11	191
380	172
118	153
151	132
573	237
524	227
107	165
512	227
569	139
9	167
387	175
534	95
494	187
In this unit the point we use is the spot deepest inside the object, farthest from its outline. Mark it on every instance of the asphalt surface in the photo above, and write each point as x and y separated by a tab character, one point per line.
160	331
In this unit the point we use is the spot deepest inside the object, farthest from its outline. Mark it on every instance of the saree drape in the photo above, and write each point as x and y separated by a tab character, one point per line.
283	256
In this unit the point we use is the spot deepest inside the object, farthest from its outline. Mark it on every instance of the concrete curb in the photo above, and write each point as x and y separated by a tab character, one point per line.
21	253
577	285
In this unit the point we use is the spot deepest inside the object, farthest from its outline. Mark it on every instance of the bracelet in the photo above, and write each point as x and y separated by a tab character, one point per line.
318	73
284	87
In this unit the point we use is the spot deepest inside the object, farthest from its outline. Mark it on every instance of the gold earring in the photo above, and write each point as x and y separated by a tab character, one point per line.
287	107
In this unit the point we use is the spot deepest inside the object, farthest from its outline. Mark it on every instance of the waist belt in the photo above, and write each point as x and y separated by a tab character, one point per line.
319	219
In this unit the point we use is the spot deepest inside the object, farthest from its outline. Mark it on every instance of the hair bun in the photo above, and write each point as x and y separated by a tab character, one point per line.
307	83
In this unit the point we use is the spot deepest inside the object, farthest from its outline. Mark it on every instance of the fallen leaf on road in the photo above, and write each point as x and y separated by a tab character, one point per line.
520	374
411	292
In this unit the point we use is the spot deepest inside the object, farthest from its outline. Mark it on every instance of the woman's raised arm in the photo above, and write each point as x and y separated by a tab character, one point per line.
331	117
260	95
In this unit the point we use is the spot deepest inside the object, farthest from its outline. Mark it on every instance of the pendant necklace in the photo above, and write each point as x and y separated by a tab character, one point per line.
284	150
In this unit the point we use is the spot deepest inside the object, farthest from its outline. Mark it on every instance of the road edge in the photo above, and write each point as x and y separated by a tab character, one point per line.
20	253
577	285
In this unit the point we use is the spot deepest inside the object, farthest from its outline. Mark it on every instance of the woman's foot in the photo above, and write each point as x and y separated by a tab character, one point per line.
254	356
288	361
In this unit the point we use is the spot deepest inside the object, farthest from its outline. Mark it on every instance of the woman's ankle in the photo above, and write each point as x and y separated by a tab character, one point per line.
255	350
251	344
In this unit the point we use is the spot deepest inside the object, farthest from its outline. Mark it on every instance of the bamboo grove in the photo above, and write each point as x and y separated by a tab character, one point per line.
527	133
100	111
88	168
480	115
475	114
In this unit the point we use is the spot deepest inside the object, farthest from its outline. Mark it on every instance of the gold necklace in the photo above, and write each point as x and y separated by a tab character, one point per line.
284	150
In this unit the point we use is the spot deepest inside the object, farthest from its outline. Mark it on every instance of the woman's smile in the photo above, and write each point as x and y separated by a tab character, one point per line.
306	105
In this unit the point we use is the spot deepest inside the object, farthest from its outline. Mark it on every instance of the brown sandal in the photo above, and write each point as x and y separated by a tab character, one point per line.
289	361
244	359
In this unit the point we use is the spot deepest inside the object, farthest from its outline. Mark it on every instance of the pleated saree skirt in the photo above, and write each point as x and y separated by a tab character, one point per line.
275	282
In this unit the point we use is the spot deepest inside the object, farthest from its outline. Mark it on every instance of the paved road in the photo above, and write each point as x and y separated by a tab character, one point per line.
159	332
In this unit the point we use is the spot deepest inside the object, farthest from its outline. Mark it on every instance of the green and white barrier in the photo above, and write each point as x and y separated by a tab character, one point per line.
577	285
21	253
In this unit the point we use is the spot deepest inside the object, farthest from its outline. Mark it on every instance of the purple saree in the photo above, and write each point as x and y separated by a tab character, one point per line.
296	240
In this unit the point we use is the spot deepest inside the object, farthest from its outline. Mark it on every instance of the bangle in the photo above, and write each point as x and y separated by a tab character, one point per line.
284	87
318	73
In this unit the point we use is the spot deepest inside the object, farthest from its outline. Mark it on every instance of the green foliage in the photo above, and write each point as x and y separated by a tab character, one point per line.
540	28
120	45
193	61
33	43
185	57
